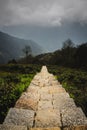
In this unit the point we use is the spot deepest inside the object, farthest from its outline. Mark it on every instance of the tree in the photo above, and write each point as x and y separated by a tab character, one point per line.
68	44
81	55
68	52
27	51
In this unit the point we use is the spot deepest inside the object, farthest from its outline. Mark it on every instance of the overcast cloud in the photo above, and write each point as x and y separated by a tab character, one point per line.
42	12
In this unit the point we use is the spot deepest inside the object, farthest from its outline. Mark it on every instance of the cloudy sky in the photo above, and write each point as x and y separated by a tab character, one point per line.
48	22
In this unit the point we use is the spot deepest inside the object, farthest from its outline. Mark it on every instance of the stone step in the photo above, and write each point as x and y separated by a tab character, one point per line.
33	88
49	128
61	96
25	103
47	118
63	103
66	128
72	117
45	106
12	127
46	96
15	127
28	101
20	117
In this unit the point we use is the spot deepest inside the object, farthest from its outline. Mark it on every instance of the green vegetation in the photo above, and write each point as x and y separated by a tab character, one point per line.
14	79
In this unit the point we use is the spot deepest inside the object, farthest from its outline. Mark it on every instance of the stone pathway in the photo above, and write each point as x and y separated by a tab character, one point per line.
44	106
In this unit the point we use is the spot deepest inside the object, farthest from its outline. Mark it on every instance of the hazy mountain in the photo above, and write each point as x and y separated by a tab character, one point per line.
11	47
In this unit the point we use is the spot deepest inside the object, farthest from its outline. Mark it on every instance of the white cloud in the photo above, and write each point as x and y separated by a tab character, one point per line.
42	12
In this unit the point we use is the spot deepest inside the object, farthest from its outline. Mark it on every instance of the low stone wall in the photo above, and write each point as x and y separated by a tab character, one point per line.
45	106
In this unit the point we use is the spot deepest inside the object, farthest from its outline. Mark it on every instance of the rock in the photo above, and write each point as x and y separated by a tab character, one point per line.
50	128
54	82
20	117
33	89
44	90
76	128
47	118
30	104
72	117
12	127
63	103
30	95
47	97
56	90
44	70
61	96
45	105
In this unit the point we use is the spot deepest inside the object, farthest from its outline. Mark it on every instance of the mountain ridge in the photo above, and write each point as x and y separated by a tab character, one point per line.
11	47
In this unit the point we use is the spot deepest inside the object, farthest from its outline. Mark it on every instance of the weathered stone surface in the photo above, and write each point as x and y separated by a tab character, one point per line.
47	118
12	127
60	96
54	82
30	95
44	90
50	128
76	128
35	82
30	104
45	96
33	89
56	90
20	117
37	77
45	105
63	103
72	117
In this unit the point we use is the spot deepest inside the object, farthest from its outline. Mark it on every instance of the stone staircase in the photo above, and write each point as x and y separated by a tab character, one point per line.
45	106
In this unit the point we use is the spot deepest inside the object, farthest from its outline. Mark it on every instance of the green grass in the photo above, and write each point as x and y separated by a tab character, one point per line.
14	79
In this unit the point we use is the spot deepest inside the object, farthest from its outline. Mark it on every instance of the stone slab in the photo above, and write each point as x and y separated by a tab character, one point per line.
29	104
60	95
45	105
63	103
30	95
33	89
44	90
54	82
56	90
35	82
45	96
12	127
73	117
47	118
20	117
54	128
36	77
76	128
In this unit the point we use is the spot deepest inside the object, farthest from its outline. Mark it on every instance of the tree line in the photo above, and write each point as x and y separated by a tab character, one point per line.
69	55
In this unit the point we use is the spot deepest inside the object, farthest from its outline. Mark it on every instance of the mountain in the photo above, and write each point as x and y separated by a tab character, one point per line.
11	47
